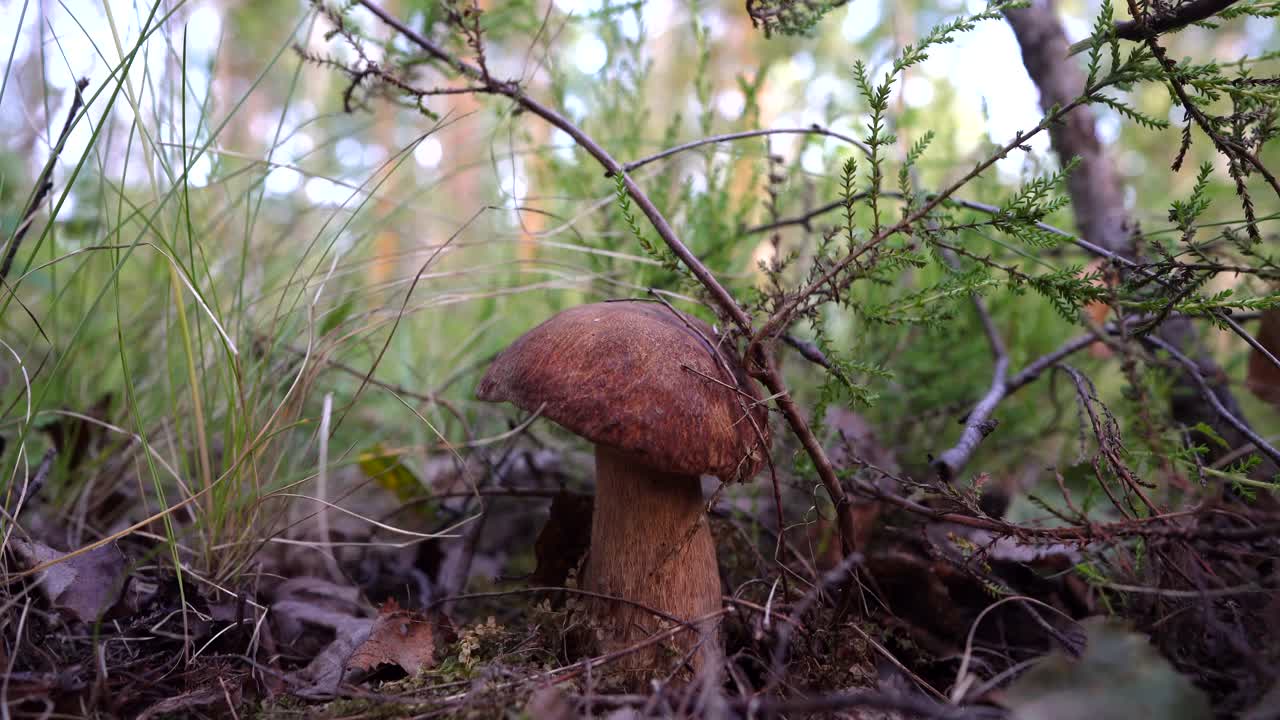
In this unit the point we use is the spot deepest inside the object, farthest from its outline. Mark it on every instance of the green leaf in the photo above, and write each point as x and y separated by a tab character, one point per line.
1204	429
1120	676
338	315
385	469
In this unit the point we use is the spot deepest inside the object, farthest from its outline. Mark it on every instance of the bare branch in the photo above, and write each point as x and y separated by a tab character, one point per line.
807	217
1176	18
807	350
979	424
718	293
1263	350
814	129
1196	373
1037	367
782	317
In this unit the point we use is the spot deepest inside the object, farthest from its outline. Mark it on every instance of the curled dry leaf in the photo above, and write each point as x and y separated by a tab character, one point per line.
324	674
303	604
1264	376
404	638
86	586
303	601
360	645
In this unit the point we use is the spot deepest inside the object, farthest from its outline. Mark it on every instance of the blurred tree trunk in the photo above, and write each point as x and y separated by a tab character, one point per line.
1097	200
233	78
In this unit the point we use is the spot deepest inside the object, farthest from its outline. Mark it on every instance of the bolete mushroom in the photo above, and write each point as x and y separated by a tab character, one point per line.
664	404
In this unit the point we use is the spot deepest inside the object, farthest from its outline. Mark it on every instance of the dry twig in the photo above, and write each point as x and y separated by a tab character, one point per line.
45	182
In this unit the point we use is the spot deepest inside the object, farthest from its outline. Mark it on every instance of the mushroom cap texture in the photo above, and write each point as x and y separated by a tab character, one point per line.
642	378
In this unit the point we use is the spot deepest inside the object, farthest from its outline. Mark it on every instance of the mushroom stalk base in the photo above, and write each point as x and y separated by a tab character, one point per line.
650	544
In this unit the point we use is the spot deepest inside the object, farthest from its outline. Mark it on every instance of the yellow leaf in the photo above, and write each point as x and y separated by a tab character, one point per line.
385	469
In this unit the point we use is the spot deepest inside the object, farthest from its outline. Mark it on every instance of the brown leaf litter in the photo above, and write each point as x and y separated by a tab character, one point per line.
360	644
404	638
86	586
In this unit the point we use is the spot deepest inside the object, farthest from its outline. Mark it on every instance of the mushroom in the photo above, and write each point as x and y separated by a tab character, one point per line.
664	404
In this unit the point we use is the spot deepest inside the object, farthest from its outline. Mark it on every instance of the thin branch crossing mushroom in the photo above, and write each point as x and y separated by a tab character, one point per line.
664	404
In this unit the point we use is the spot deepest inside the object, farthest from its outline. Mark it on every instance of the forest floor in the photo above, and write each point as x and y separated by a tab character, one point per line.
945	606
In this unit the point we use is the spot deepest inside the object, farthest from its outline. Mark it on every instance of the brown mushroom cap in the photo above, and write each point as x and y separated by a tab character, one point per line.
642	378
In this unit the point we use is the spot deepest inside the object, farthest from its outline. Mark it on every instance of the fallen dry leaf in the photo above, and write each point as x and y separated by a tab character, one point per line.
399	637
1264	376
305	601
304	610
86	585
360	644
324	674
